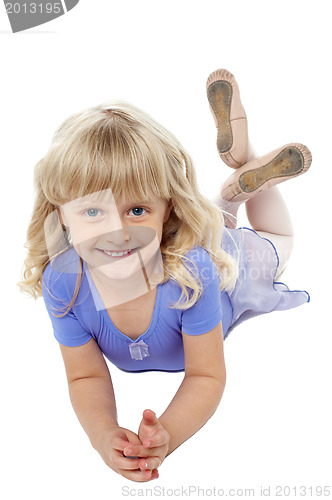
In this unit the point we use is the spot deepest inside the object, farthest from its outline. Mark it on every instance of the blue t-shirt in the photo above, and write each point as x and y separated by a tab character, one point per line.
160	347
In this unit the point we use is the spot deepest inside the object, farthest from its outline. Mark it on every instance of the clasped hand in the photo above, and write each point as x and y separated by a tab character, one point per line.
137	456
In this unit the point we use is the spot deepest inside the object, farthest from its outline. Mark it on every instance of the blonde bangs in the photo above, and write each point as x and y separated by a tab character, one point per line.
113	152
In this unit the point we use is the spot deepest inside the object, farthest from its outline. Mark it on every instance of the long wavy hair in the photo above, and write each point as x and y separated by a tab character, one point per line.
117	146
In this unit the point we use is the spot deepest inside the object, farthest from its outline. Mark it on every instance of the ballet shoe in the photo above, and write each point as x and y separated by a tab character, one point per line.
262	173
230	118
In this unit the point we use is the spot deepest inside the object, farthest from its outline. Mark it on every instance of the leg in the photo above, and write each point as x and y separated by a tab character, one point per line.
230	208
255	178
269	217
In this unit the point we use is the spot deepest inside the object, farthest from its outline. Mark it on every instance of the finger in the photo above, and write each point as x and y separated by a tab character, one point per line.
134	450
139	476
149	417
125	463
130	469
120	444
156	440
149	463
155	474
141	451
151	474
148	449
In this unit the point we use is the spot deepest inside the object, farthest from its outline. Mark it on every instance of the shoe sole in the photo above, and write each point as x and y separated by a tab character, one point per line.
288	162
220	97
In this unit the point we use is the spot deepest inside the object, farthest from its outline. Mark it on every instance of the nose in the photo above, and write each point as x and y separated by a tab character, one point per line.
118	239
117	234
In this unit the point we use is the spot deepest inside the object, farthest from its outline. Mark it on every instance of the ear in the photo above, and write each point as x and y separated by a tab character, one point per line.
168	210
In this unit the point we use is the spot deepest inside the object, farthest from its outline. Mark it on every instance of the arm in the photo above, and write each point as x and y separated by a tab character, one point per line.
90	389
194	403
92	396
201	389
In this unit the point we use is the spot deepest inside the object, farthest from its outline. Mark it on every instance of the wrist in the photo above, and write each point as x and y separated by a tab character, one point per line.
169	444
104	434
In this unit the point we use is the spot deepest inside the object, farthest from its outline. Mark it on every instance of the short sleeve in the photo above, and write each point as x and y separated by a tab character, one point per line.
206	313
67	329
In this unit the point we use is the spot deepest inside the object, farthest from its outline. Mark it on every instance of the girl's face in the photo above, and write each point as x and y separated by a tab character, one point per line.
117	238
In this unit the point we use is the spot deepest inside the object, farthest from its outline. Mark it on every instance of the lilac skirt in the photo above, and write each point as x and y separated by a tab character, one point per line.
256	291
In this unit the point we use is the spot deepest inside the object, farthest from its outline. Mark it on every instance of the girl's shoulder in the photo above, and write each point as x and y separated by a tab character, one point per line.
200	262
60	275
198	254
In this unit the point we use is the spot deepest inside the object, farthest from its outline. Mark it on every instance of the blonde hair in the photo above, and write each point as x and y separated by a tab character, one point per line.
117	146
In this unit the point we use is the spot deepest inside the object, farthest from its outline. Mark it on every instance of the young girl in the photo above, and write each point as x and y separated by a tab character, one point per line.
134	264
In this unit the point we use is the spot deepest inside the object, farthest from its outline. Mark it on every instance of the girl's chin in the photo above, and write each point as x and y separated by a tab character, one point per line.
119	270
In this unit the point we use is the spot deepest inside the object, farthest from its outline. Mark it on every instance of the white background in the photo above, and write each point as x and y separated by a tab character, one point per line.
273	426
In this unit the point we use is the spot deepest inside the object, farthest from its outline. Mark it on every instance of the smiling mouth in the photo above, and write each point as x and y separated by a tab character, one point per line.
121	253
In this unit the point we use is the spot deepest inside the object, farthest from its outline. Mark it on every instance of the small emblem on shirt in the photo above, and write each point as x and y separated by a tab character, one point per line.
138	350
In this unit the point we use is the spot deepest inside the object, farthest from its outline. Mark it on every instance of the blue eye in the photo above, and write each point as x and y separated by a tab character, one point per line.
137	210
92	212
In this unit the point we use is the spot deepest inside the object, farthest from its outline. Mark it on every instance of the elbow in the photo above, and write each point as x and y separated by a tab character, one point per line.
219	384
222	383
219	374
218	390
220	377
224	376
